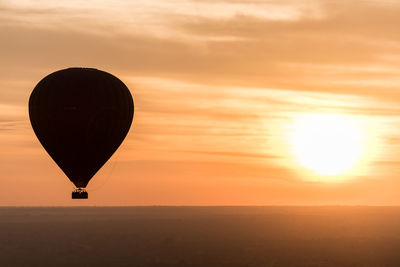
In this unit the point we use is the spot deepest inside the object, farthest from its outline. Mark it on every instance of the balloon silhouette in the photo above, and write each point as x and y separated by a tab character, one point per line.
80	116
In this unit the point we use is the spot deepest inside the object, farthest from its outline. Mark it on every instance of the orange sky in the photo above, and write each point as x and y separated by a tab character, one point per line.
217	86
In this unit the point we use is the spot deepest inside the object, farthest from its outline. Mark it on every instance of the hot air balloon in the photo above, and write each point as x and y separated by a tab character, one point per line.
80	116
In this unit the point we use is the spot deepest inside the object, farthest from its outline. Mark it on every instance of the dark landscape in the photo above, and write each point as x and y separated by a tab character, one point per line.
200	236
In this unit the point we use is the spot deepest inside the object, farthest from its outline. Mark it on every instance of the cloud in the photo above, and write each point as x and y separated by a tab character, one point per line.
8	125
393	163
306	54
234	154
222	83
206	170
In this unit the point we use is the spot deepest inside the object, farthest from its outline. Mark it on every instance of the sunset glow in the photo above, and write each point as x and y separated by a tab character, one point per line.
328	144
236	102
200	133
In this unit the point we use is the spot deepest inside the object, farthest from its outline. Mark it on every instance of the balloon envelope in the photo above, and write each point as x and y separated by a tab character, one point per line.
80	116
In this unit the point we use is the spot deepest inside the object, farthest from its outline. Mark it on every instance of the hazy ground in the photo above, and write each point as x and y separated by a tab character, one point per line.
200	236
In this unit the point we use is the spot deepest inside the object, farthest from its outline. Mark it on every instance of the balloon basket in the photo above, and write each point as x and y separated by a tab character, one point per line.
79	193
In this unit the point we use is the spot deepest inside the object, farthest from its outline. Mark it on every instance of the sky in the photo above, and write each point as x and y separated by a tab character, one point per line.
223	92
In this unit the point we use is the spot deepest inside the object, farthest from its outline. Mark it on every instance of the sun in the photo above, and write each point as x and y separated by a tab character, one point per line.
327	144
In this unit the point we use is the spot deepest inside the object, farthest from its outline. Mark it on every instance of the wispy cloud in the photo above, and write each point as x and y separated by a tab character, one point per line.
306	54
215	83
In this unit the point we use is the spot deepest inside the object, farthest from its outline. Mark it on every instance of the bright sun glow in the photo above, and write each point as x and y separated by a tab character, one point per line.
328	144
